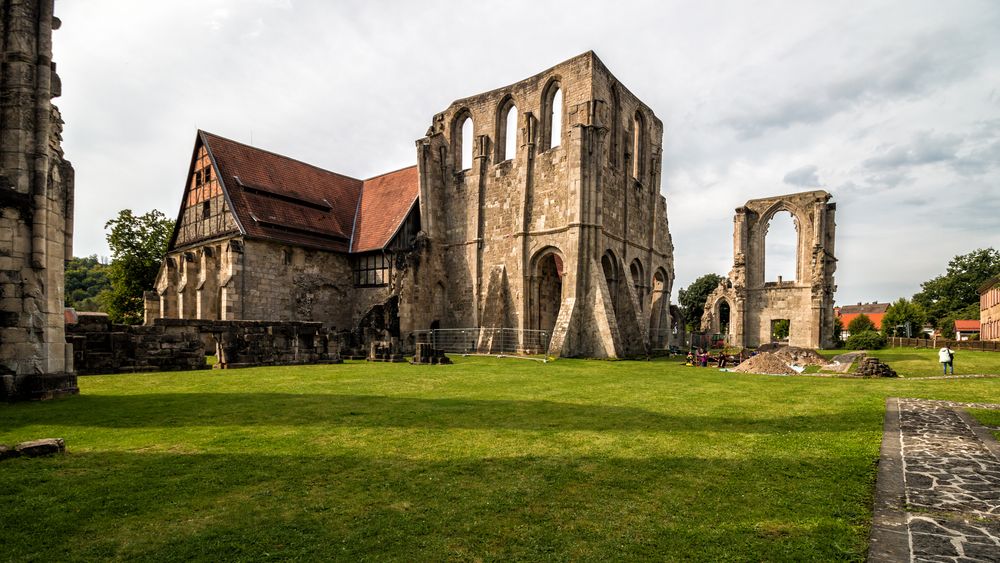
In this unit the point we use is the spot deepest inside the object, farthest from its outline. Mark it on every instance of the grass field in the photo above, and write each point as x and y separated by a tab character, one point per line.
923	362
484	460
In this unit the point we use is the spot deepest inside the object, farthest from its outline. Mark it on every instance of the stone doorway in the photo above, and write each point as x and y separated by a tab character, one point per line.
548	286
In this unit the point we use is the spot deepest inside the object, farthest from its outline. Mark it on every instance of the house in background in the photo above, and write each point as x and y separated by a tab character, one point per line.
989	309
966	329
874	311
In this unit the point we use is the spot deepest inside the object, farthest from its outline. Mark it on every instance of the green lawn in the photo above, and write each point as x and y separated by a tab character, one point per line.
922	362
483	460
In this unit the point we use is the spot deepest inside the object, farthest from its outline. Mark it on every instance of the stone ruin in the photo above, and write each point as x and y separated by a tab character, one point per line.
873	367
745	306
36	209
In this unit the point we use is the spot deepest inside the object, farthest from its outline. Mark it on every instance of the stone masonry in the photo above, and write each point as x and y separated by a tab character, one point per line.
561	229
752	303
36	208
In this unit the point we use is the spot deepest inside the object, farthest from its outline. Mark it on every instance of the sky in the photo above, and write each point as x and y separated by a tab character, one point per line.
891	106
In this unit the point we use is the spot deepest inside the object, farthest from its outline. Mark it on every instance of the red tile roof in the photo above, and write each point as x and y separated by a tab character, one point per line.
866	308
967	325
385	202
876	318
279	198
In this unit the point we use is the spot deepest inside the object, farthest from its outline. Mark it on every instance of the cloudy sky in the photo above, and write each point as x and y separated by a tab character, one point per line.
893	107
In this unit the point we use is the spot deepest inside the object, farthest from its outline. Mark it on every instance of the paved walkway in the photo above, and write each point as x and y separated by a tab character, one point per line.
938	491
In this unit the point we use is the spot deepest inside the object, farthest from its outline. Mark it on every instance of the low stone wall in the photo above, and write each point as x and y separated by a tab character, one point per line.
100	347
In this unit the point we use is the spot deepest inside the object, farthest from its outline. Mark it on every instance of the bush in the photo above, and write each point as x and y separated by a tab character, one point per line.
866	340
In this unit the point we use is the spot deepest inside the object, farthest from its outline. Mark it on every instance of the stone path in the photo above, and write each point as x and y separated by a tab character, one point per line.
938	492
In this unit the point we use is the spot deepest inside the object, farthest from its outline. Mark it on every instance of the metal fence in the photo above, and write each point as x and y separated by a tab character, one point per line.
984	345
487	341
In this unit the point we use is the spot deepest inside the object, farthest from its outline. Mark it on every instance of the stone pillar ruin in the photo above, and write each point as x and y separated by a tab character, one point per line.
36	209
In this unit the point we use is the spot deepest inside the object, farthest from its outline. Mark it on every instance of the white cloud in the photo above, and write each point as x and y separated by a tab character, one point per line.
895	102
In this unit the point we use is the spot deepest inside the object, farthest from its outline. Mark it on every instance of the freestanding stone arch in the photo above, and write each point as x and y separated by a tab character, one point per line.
806	301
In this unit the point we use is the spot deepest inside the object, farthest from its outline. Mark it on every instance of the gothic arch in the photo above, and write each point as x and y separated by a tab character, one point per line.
460	146
506	132
552	117
545	285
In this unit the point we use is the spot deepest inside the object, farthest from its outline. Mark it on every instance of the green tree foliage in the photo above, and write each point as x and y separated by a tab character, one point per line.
955	292
947	324
860	323
138	244
692	299
838	330
866	340
86	279
896	317
780	329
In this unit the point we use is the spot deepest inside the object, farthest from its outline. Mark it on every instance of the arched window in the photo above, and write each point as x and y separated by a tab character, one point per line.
638	145
616	108
556	132
552	117
638	281
461	140
781	248
506	133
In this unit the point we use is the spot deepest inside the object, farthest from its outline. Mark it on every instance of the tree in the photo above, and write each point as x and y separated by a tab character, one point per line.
838	332
781	328
138	244
860	323
866	340
947	295
692	299
903	318
86	278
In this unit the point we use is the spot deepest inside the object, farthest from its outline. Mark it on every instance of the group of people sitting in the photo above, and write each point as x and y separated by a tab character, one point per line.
702	358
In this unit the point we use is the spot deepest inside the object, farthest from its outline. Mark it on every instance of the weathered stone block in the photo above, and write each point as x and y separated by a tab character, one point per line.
45	446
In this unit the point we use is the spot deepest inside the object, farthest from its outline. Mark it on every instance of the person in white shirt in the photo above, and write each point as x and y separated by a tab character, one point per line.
947	359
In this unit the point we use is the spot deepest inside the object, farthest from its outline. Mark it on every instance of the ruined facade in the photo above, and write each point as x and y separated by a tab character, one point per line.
36	208
746	307
535	206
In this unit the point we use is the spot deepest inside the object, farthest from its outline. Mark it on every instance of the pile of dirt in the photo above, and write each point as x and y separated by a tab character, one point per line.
765	362
800	356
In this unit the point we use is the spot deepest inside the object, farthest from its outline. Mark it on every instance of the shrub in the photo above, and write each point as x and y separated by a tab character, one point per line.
866	340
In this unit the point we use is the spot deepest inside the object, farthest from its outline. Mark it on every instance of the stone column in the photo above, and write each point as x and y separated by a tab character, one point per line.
36	192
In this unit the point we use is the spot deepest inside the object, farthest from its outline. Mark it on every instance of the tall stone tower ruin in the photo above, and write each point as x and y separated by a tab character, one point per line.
542	202
36	208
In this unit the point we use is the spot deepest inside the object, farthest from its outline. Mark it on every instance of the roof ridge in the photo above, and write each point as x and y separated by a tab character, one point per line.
279	155
391	172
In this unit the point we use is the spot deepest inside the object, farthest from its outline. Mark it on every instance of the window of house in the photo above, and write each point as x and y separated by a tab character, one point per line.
206	210
371	270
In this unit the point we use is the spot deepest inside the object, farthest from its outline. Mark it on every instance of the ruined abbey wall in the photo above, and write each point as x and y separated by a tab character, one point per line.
500	223
754	303
36	208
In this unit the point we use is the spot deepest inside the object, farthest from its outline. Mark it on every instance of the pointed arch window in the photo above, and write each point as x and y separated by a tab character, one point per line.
552	116
506	134
638	145
461	140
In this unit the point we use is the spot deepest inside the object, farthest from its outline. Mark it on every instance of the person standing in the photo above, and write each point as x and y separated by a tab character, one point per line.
947	358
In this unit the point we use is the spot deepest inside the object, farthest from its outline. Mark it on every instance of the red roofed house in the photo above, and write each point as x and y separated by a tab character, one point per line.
535	206
966	329
847	313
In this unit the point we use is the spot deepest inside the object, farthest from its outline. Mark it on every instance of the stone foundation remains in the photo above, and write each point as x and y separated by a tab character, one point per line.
180	344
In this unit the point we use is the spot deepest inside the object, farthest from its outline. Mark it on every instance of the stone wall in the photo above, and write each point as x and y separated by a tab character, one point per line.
180	344
594	192
36	208
755	303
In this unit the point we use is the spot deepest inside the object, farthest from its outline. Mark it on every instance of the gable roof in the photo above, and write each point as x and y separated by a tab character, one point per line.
866	308
967	325
386	200
278	198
